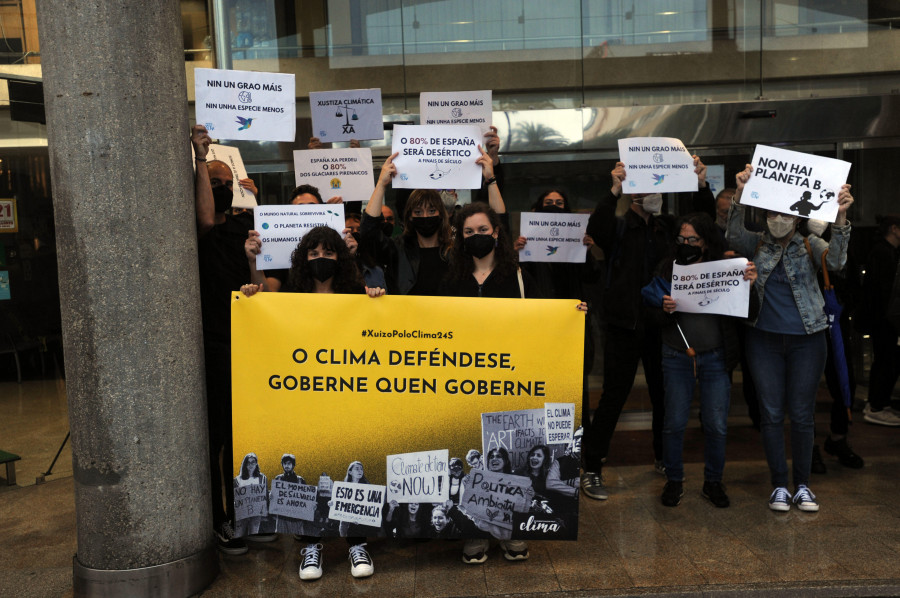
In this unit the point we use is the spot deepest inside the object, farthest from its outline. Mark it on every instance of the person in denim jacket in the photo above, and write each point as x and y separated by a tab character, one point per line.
786	342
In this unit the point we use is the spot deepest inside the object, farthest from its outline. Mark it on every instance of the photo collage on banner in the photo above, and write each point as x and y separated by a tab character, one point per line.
391	431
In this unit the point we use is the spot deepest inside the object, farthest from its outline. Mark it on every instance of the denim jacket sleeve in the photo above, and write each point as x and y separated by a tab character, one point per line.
740	239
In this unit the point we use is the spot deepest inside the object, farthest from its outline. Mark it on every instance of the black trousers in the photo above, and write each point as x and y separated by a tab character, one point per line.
218	407
622	351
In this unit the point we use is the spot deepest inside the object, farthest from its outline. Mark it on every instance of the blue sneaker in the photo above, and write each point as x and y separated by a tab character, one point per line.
780	499
805	499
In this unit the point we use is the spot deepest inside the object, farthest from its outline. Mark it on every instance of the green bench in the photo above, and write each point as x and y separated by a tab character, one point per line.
10	460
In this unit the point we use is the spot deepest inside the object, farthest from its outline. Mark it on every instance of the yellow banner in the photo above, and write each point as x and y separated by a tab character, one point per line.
338	379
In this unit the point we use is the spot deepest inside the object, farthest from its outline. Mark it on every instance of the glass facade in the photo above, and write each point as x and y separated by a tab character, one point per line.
568	78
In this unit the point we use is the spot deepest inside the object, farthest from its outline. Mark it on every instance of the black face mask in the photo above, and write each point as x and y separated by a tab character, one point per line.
357	237
387	228
687	254
426	225
479	245
322	268
222	198
552	209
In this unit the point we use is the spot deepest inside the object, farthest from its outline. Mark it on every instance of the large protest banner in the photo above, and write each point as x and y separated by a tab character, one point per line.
246	105
716	287
456	108
795	183
282	227
436	157
348	384
346	115
657	165
553	237
345	173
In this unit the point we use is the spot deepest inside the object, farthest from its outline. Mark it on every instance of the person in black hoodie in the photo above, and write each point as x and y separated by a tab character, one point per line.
633	246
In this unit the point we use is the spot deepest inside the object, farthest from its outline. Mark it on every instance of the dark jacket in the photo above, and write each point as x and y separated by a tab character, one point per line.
399	257
633	248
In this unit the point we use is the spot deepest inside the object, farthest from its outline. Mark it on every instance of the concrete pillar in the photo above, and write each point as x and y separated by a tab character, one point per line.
117	125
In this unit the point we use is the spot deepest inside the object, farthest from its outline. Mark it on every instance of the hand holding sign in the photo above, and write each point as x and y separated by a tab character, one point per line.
795	183
659	165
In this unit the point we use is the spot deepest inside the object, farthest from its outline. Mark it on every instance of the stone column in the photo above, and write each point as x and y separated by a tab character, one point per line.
117	126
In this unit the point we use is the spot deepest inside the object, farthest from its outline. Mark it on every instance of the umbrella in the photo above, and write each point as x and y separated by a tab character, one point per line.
833	310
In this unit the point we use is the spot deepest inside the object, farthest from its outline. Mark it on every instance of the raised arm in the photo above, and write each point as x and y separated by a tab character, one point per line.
602	223
738	237
388	170
252	248
203	198
495	200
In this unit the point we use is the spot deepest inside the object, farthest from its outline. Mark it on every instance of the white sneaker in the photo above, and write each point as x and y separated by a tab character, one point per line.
311	567
360	562
780	499
885	417
805	499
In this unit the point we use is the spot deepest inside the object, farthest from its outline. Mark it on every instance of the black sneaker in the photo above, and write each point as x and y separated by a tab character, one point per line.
818	466
226	541
842	450
672	493
361	564
714	492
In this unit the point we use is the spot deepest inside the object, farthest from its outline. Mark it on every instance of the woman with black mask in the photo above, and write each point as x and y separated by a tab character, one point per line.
697	348
482	260
565	280
322	263
416	261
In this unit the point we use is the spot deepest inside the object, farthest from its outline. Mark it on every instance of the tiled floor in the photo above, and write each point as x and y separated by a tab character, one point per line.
629	545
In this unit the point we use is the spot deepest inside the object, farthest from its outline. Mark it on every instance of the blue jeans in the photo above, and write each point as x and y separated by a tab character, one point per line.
786	369
715	398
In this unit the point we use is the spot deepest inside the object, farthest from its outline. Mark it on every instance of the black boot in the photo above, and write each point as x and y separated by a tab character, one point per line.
842	450
818	466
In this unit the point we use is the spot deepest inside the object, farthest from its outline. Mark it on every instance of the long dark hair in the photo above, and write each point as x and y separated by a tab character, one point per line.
347	278
539	202
706	229
504	454
505	258
427	198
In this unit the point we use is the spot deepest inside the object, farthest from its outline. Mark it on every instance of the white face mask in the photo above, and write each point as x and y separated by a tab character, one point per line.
652	203
817	227
781	226
448	199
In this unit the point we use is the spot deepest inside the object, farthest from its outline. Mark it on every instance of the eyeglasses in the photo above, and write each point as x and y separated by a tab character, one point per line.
689	240
549	201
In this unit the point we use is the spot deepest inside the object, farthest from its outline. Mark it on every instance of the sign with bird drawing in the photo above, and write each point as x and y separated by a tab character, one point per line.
656	165
246	105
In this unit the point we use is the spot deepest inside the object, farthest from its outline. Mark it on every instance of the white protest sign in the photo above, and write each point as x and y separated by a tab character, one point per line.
436	157
357	503
296	501
493	497
281	228
553	237
336	172
456	108
246	105
346	115
515	431
250	501
559	422
795	183
657	165
712	288
418	477
232	156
